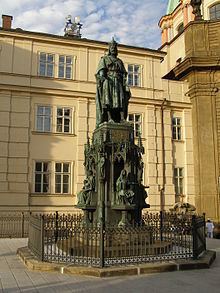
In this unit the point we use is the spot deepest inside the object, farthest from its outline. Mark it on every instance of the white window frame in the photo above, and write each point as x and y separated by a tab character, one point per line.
134	74
176	128
51	172
64	118
135	122
43	116
178	175
65	66
42	173
46	63
62	173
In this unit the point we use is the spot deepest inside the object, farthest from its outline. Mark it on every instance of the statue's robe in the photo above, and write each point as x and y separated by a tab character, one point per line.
112	92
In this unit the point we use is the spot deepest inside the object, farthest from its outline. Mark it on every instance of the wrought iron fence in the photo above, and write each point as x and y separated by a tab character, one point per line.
14	224
199	233
160	236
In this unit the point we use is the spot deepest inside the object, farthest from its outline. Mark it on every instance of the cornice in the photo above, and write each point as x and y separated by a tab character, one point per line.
197	63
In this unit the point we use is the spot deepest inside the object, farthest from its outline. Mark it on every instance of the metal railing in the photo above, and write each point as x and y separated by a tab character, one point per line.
159	237
14	224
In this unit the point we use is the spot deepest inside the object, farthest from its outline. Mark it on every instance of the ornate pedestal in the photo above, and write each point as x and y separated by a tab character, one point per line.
113	190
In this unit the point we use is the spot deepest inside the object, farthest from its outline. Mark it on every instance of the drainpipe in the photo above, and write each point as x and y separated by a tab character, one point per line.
162	188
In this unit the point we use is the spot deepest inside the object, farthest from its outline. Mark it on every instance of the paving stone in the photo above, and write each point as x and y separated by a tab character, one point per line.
15	277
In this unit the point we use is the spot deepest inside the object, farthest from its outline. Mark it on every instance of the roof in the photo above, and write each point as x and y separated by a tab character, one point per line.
172	4
22	32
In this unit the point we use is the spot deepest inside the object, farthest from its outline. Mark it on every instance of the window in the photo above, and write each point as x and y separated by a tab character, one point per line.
52	177
44	118
65	67
178	181
63	120
176	128
180	28
134	72
43	122
62	177
214	11
46	64
136	120
42	177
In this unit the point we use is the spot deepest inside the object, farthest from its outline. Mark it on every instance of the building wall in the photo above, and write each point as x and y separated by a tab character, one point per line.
22	90
199	68
202	47
175	54
174	44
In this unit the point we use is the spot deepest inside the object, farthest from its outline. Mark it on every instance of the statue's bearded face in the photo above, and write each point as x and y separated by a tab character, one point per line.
113	50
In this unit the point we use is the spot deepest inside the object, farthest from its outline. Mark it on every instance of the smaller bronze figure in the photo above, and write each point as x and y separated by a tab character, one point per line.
125	196
85	195
102	166
140	172
112	90
196	5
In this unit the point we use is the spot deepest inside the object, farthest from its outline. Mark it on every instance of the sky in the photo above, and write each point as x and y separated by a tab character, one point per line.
131	22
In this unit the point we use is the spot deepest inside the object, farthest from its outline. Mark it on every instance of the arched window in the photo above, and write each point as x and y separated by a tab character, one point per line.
214	11
180	28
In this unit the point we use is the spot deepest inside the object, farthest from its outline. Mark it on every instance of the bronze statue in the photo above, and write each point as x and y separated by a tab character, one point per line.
112	91
102	166
125	195
113	191
196	5
85	195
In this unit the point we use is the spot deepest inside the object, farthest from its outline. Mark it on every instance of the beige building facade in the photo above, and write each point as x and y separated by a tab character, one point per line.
192	49
47	111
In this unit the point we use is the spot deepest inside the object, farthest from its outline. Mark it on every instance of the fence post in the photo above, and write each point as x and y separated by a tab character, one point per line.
161	225
42	237
204	223
22	225
56	227
102	228
195	240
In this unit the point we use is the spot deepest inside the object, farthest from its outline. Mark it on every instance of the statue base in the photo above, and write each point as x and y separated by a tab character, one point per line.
112	191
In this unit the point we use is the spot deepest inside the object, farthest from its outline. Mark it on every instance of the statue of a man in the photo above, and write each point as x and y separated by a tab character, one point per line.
124	194
85	195
112	91
196	5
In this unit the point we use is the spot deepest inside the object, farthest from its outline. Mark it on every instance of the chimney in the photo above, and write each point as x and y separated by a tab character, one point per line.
6	21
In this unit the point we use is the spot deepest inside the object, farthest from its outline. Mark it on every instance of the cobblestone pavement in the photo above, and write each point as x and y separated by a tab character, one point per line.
14	277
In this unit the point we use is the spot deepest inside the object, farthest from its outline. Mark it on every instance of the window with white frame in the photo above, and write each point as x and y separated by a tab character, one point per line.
178	181
214	11
136	121
43	119
65	67
134	75
63	120
62	177
176	128
46	64
42	177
